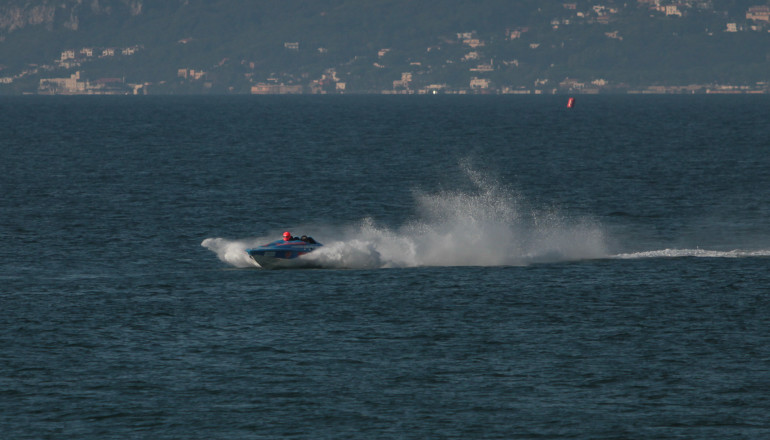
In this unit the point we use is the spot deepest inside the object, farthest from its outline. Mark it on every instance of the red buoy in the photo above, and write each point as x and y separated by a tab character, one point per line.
570	102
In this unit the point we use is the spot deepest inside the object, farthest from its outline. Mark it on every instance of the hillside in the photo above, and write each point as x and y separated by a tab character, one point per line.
304	46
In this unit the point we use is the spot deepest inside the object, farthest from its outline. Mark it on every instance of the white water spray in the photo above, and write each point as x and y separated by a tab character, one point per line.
491	226
233	252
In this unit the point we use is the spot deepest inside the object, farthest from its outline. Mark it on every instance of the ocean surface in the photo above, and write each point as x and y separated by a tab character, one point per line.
494	267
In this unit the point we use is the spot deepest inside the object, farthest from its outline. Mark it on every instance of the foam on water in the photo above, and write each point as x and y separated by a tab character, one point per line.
489	226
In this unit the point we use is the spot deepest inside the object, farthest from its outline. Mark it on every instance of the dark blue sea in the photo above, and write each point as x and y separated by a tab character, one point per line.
494	267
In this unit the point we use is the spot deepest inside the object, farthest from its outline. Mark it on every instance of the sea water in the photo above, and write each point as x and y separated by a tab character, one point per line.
493	267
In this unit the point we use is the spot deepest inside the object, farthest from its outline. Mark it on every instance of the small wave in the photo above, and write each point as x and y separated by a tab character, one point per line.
698	253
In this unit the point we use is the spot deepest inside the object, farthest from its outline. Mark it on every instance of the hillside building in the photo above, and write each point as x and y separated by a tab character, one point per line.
759	13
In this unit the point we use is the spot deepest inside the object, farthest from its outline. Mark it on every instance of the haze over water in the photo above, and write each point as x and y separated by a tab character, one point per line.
493	267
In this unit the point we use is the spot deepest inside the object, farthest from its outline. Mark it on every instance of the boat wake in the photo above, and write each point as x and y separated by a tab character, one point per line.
491	225
695	253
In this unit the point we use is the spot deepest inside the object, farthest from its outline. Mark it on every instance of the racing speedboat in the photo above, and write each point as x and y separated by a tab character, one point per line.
282	253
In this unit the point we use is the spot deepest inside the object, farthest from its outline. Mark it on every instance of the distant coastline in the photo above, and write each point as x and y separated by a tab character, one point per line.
400	47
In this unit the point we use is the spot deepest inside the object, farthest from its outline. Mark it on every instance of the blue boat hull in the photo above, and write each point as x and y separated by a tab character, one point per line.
282	253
